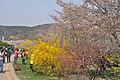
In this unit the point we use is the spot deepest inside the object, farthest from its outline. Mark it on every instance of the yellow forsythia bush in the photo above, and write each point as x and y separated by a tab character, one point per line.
47	54
26	44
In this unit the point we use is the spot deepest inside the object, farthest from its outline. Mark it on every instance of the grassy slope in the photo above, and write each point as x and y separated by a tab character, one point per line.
24	73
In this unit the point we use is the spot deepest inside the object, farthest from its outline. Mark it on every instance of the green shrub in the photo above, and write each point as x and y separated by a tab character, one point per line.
4	44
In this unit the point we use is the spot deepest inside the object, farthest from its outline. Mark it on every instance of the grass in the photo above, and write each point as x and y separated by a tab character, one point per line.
109	74
25	74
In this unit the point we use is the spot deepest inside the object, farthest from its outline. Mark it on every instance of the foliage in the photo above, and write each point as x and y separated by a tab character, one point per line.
118	23
4	44
114	59
25	44
83	58
25	74
95	22
92	32
47	54
22	32
53	56
116	71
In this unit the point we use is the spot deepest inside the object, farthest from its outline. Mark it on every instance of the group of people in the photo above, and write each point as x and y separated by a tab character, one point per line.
5	53
24	57
22	53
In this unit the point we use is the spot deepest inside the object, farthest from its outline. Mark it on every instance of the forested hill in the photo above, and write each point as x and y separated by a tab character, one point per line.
22	32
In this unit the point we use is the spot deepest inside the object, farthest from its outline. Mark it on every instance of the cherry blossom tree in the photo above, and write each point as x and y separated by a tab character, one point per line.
95	22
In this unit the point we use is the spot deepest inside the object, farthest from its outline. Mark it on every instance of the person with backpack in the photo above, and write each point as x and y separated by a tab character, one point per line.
1	60
5	51
9	55
24	56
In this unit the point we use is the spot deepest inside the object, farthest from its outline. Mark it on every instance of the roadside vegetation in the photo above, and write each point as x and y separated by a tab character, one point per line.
4	44
25	74
83	43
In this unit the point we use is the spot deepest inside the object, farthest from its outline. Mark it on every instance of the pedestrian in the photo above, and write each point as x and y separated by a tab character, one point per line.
24	56
9	55
5	54
16	56
3	50
1	60
31	63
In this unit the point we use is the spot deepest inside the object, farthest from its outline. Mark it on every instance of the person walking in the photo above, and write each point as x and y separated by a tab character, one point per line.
5	51
1	60
31	63
9	55
16	56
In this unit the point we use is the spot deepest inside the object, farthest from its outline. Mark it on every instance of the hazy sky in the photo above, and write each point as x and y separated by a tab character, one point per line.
28	12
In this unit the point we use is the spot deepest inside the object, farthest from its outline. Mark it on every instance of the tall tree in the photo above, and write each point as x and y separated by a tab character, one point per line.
95	21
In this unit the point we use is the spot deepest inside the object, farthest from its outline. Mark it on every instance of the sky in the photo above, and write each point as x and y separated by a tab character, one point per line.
28	12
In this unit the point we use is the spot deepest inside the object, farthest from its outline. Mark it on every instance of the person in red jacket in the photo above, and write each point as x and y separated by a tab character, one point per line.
16	56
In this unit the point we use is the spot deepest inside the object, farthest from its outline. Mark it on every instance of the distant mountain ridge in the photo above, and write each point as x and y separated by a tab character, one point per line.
22	32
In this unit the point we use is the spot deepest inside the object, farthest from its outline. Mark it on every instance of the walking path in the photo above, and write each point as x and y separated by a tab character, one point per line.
9	72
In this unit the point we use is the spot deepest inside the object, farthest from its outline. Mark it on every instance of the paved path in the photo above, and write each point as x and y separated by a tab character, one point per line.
9	73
